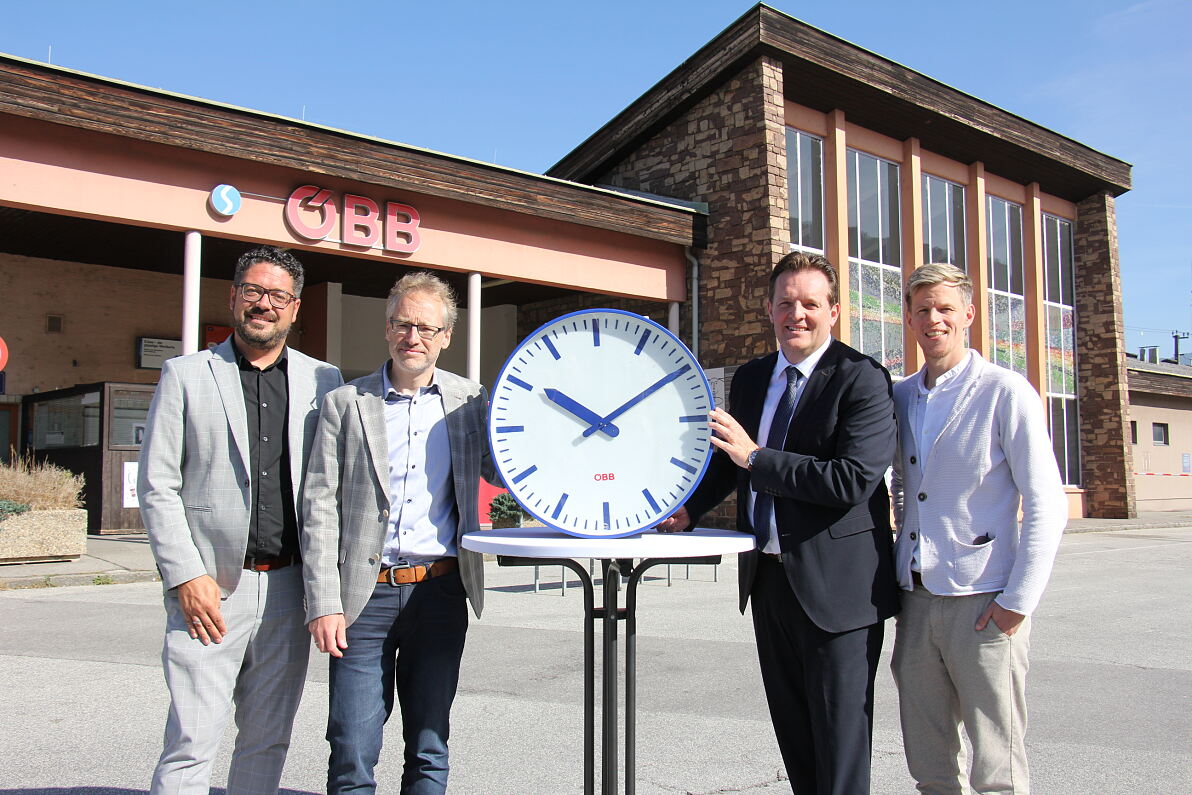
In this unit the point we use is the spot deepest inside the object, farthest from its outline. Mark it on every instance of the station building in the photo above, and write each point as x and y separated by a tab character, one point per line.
1160	427
123	210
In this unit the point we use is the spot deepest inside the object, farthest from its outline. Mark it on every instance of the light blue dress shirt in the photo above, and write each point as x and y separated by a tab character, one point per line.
422	511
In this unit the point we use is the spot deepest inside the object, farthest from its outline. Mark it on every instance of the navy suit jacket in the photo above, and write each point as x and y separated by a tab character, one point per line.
831	505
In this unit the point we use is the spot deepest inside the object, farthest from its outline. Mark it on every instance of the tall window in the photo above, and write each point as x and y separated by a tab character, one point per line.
1059	305
1007	306
805	178
943	222
875	259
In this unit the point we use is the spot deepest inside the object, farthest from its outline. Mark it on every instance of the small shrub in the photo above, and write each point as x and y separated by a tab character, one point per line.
11	508
40	485
504	508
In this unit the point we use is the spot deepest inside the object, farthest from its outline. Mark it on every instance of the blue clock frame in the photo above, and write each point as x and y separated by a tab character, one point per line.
544	383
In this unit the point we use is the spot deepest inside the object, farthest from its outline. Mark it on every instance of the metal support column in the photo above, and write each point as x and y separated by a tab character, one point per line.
474	326
191	270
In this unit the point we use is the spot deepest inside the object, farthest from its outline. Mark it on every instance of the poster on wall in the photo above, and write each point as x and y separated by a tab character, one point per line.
129	487
152	352
214	335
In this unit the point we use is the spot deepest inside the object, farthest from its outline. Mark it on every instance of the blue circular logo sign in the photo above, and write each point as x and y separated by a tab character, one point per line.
225	200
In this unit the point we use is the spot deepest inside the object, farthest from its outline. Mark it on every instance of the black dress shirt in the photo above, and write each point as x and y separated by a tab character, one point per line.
273	524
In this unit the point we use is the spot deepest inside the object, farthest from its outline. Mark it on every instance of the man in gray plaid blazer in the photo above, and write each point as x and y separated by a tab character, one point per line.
220	483
392	485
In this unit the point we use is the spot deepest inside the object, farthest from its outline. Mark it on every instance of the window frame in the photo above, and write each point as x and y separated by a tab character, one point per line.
1165	428
888	267
958	251
795	197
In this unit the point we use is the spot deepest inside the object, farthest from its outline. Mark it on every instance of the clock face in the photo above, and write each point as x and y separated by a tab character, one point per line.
599	423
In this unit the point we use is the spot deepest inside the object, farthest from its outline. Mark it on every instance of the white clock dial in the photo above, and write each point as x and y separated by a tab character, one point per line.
599	423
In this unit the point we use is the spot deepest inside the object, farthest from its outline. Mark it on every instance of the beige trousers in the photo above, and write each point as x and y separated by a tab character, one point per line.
948	674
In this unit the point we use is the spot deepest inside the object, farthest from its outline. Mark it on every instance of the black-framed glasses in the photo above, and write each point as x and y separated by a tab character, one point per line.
252	293
402	328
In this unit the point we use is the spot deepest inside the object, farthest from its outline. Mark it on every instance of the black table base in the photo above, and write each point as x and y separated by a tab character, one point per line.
608	615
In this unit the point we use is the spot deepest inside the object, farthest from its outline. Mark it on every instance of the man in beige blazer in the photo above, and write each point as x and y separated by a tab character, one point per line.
392	486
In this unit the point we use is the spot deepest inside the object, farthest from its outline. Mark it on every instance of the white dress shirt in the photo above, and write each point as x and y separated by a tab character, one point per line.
930	411
774	393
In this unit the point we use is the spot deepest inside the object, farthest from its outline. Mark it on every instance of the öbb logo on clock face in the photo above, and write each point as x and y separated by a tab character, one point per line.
599	423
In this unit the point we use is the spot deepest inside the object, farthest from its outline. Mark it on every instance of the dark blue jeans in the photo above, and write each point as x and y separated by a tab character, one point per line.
411	637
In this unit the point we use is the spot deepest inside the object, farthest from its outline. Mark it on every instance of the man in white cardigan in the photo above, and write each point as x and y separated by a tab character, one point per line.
973	447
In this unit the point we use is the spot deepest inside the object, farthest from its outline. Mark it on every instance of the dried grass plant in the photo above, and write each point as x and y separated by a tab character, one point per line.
40	485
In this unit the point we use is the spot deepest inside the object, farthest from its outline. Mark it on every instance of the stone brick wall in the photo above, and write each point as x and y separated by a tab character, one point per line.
728	150
1107	462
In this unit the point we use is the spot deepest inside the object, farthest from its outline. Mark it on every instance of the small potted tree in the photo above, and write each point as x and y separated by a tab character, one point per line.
41	518
504	511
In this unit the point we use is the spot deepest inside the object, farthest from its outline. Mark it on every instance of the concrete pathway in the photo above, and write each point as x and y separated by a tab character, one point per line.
83	701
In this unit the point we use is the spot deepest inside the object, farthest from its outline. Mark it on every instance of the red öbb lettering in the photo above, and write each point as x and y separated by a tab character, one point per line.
604	476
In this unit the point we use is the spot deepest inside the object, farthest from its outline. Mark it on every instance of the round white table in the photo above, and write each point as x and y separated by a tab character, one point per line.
541	546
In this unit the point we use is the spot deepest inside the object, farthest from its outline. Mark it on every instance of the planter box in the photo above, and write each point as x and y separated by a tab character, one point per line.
42	536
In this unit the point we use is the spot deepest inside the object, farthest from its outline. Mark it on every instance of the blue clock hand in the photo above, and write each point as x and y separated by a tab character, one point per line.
633	401
584	413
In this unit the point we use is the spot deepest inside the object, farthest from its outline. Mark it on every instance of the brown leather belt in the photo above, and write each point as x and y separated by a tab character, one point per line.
269	564
417	572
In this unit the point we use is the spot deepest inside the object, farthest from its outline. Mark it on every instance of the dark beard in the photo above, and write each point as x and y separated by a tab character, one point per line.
260	340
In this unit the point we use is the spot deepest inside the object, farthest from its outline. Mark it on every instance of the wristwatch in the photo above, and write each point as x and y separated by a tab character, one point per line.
752	457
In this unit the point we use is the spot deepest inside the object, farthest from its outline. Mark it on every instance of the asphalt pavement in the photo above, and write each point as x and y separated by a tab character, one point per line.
83	701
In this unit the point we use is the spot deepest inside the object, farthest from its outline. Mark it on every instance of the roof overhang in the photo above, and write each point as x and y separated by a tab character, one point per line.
62	96
826	73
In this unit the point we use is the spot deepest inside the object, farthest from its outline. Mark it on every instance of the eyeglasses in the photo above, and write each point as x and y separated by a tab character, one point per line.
252	293
402	328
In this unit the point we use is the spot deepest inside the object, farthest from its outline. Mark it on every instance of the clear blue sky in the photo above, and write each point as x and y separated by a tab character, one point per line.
521	82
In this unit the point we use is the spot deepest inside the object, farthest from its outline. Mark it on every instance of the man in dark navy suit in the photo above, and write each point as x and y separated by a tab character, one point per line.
813	492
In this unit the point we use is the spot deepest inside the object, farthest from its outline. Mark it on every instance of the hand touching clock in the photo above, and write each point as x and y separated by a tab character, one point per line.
729	436
582	412
638	398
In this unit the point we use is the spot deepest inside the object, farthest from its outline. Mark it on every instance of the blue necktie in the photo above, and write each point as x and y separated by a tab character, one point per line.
763	504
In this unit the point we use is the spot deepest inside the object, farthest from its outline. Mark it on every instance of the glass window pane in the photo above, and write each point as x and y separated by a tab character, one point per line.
937	221
128	411
871	311
867	202
794	183
1073	438
1067	296
1051	259
854	303
1015	234
892	321
1018	326
998	248
1059	440
925	186
891	222
854	230
812	163
959	238
1055	350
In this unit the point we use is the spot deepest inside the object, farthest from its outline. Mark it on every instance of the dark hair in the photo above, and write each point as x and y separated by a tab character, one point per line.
274	256
798	261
